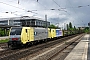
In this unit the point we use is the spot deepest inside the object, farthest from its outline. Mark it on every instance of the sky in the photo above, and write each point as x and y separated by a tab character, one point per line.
59	12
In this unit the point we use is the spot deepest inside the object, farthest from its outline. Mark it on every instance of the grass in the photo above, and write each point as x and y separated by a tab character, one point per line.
4	41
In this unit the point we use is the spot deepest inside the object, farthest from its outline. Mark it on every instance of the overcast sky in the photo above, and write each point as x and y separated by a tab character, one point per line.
65	11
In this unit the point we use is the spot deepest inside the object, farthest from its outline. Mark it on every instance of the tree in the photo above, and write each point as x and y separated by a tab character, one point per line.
86	29
53	26
74	28
70	25
1	32
70	28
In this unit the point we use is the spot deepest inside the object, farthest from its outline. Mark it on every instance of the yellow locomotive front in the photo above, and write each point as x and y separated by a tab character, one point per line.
20	36
15	37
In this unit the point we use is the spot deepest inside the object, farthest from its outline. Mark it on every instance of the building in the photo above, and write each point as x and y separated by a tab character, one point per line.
24	21
81	28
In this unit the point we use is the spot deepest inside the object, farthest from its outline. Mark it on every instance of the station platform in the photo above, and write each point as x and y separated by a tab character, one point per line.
4	37
81	50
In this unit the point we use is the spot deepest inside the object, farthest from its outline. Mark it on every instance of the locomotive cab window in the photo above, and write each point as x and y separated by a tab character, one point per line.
16	31
26	30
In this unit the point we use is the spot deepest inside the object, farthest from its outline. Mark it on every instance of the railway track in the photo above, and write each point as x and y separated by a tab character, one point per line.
3	44
52	51
21	53
60	55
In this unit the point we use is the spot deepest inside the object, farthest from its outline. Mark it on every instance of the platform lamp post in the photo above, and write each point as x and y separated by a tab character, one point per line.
89	26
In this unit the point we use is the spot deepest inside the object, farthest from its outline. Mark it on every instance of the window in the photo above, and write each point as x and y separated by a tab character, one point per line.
5	22
35	33
16	20
16	31
26	30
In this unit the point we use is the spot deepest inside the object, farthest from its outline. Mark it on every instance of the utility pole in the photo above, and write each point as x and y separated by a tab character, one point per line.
46	21
46	25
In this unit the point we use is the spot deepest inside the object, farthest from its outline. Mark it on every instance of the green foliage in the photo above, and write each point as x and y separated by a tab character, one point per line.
4	32
86	30
74	28
53	26
4	41
70	25
1	32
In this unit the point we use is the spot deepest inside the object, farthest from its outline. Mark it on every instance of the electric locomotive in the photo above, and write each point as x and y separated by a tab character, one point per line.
27	35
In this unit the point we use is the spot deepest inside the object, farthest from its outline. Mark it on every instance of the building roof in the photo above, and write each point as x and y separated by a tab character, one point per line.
20	18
